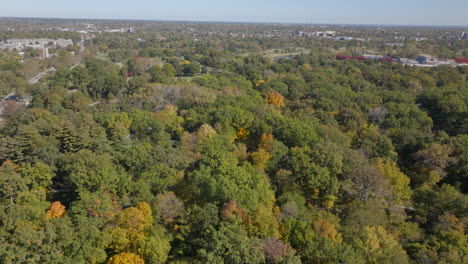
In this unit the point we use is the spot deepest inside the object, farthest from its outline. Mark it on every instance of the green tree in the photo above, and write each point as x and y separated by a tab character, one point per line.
380	247
88	171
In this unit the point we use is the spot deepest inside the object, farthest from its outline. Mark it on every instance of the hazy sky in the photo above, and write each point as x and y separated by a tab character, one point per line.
396	12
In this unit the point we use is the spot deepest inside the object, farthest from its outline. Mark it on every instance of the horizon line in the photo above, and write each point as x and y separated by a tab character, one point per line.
239	22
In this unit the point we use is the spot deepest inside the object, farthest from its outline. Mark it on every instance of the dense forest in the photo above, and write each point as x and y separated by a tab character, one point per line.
206	151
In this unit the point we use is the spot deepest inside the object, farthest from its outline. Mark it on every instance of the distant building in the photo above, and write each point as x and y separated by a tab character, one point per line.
89	36
325	34
344	38
419	39
450	62
21	43
461	61
372	56
395	44
114	30
10	46
330	34
464	35
363	39
121	30
427	59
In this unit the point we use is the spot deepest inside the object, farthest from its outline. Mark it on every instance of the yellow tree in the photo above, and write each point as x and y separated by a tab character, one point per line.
380	246
134	232
266	141
264	223
205	131
56	210
126	258
328	230
398	181
131	226
242	133
260	158
275	99
262	155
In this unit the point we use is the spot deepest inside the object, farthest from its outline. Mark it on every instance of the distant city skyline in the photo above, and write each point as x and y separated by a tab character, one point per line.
396	12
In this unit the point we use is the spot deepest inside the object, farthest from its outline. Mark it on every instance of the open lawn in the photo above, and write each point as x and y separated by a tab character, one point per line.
278	53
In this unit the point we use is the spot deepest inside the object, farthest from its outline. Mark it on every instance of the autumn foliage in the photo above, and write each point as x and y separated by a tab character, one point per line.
242	133
275	250
327	230
15	167
266	141
126	258
232	211
56	210
275	99
131	224
256	150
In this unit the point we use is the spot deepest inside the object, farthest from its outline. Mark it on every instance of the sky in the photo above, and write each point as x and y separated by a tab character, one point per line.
381	12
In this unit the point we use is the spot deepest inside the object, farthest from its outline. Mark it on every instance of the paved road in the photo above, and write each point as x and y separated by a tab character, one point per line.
36	78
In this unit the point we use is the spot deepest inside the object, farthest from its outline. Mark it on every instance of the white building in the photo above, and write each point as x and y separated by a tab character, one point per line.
42	41
325	34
